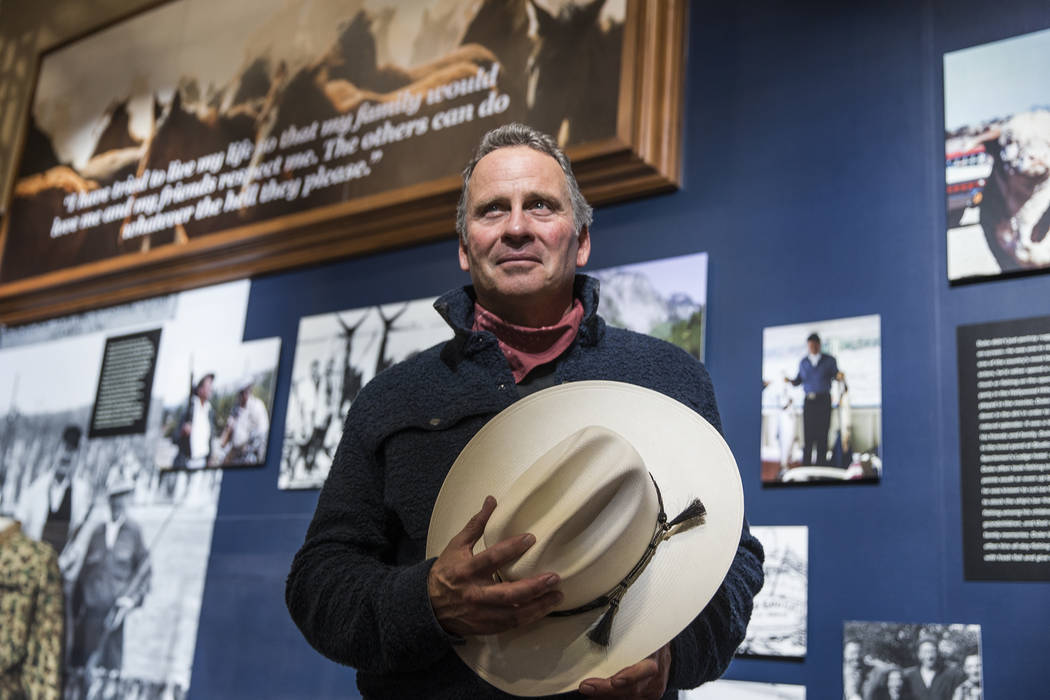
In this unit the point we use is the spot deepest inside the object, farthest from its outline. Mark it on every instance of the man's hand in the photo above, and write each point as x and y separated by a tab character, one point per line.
645	680
465	597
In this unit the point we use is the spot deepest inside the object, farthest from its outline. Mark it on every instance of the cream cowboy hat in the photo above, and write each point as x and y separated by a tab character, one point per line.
598	471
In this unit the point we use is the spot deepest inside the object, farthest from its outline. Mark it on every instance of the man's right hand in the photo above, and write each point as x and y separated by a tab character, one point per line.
466	598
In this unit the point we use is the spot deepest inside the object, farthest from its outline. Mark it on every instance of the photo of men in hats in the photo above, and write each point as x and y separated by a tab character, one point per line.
451	624
113	580
247	427
57	503
193	436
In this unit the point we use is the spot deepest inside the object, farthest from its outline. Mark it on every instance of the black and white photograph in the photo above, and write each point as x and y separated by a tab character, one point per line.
217	402
744	690
778	620
335	355
664	298
899	661
997	155
822	401
133	543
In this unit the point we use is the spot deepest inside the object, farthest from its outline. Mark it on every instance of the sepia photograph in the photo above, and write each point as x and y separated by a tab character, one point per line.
132	541
778	620
898	661
822	402
997	155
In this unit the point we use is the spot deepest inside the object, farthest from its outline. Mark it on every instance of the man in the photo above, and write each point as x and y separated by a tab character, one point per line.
247	428
57	503
931	679
971	687
193	436
113	580
360	589
816	371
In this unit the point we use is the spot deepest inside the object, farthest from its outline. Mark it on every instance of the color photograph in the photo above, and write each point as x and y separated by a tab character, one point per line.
666	299
997	155
822	401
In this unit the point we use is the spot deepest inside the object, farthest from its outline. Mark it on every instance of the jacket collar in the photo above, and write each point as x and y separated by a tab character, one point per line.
457	308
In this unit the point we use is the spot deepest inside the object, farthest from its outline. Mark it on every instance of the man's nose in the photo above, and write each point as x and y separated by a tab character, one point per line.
518	225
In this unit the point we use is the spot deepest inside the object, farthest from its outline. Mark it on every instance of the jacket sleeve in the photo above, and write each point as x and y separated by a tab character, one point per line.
347	597
702	652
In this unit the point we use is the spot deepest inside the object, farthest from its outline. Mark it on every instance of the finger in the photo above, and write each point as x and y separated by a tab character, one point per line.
521	592
475	527
635	673
502	553
495	620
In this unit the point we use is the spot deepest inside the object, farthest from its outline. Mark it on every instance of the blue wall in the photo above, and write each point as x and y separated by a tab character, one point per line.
813	176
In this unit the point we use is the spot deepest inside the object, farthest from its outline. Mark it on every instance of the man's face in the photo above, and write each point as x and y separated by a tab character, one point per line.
522	250
927	654
972	668
245	393
118	504
64	464
894	681
814	347
851	654
204	390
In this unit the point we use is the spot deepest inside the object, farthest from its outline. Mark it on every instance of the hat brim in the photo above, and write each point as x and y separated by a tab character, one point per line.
688	459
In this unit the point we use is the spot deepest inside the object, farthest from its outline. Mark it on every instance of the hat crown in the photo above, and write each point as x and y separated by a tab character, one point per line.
592	506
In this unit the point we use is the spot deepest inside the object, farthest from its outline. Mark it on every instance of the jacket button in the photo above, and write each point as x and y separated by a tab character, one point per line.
435	422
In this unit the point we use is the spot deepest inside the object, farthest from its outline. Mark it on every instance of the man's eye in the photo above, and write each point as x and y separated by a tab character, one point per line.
540	205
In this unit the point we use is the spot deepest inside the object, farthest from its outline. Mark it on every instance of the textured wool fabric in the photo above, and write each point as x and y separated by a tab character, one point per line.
358	586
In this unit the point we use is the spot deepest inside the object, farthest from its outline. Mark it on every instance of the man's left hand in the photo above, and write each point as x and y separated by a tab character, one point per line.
645	680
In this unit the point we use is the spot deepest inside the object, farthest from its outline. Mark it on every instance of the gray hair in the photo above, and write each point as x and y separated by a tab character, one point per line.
516	134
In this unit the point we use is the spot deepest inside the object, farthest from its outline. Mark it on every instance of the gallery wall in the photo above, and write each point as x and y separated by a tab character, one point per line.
813	177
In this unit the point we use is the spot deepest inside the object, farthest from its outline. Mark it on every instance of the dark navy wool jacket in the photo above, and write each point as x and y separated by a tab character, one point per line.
358	586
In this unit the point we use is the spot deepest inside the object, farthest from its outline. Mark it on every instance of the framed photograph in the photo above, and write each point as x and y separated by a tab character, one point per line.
744	690
901	661
279	133
778	621
822	402
109	484
666	299
997	155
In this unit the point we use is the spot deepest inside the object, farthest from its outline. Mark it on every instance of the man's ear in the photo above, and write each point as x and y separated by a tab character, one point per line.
583	247
464	261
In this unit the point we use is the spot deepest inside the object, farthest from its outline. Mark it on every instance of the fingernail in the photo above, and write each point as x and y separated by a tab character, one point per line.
551	579
528	539
588	689
619	682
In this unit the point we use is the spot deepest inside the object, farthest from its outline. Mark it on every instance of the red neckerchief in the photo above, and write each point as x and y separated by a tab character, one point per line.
527	348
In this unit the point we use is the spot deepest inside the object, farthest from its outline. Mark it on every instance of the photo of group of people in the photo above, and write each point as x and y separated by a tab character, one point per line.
822	401
132	538
890	661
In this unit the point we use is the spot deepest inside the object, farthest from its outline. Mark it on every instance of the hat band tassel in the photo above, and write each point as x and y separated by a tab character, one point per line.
694	514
